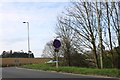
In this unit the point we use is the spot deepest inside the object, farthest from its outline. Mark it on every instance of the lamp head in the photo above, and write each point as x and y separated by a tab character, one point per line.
24	22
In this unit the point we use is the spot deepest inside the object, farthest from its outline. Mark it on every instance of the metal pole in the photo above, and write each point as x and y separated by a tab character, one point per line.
28	39
56	59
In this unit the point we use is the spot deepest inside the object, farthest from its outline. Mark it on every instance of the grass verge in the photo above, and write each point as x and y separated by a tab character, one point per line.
78	70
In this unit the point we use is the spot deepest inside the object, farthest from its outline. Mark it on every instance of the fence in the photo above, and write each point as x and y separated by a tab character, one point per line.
20	61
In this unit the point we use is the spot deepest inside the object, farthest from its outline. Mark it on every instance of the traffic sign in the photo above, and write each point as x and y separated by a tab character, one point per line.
56	43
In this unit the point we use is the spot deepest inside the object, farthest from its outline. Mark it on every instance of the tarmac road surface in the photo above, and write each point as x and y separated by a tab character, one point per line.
14	73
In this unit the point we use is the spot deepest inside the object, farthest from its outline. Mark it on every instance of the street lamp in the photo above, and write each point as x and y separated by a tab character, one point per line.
28	39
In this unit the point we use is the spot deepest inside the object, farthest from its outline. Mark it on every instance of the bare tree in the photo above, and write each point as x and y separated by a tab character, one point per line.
109	31
99	15
49	50
112	19
115	18
84	24
66	34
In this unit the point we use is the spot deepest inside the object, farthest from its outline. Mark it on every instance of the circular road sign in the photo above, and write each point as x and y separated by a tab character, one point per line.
56	43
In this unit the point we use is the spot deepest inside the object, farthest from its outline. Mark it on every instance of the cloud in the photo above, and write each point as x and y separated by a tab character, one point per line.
57	0
34	0
42	20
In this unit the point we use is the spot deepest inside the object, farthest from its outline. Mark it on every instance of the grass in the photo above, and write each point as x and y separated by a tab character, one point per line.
78	70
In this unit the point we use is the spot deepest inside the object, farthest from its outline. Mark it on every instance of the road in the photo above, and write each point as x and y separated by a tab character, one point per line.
14	72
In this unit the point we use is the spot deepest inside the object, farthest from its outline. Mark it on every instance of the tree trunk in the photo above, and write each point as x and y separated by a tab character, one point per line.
119	39
119	24
98	12
109	32
95	54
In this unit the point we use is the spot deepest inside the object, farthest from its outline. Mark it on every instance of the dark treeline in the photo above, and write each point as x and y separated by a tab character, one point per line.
10	54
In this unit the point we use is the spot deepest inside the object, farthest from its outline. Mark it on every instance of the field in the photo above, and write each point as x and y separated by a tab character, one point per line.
21	61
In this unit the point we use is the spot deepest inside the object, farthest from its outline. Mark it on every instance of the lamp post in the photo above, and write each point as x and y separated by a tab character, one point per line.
28	39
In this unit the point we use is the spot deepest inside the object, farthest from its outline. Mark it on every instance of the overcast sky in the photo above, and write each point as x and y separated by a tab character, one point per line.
42	21
41	15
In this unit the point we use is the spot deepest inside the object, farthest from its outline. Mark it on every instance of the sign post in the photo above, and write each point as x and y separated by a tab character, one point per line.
56	44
